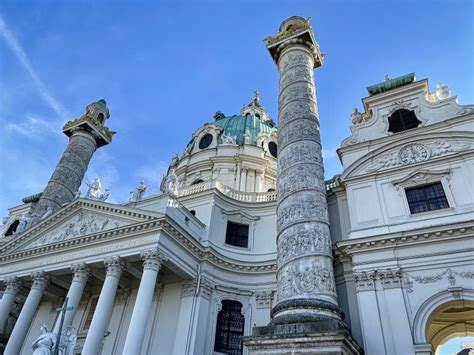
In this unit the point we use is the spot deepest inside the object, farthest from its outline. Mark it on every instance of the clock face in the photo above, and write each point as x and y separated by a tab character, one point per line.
413	153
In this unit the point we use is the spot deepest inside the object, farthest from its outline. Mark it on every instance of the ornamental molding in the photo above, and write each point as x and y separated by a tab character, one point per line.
409	151
450	275
264	299
350	247
383	278
239	216
112	241
113	213
422	176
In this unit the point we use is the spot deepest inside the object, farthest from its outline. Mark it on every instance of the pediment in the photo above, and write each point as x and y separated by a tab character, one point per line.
81	218
410	153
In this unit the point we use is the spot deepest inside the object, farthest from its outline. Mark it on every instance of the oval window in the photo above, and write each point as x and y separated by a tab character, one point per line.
272	147
205	141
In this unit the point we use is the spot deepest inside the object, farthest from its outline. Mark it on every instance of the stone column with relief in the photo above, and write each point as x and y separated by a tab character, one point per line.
306	296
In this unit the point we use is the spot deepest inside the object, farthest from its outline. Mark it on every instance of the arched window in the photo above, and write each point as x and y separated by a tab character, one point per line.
205	141
230	328
198	181
12	228
273	148
270	190
193	212
402	120
100	117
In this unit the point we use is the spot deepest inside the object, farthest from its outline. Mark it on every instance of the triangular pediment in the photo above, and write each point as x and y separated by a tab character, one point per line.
79	219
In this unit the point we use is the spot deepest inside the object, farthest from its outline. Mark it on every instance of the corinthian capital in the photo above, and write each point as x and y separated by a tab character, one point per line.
153	258
81	272
40	279
115	266
13	285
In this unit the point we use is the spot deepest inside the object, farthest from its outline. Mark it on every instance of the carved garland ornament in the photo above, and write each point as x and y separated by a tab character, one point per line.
408	280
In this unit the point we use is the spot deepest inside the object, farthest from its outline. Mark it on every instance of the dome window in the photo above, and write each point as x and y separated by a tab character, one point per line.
402	120
272	147
205	141
12	229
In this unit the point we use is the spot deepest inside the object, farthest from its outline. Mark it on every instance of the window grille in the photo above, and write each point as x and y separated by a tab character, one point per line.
230	328
402	120
237	235
426	198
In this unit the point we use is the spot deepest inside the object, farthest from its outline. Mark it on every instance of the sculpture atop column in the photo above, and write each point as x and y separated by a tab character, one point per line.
86	134
138	192
306	303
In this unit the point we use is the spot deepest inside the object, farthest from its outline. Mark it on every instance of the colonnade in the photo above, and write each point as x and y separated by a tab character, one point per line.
153	259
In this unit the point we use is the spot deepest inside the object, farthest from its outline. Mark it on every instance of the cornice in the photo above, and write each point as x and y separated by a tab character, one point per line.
413	237
164	224
69	210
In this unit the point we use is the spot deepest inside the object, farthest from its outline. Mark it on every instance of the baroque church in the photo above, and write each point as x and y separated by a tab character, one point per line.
247	249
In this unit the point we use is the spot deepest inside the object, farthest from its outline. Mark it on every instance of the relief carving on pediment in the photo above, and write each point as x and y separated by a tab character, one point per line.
81	224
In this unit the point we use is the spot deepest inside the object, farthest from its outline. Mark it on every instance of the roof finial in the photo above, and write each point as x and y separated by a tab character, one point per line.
256	96
386	78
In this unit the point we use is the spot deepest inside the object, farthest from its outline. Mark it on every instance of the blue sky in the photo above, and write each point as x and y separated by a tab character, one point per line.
165	68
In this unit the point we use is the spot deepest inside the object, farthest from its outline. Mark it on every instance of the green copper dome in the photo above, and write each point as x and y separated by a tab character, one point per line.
238	126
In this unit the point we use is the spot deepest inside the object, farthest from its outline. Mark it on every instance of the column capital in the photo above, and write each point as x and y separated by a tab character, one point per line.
153	258
365	280
295	31
390	278
81	272
13	284
40	279
115	266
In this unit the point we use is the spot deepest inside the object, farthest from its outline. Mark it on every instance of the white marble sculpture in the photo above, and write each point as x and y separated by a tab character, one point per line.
138	192
247	137
228	139
93	189
68	341
45	343
356	116
24	221
442	91
171	185
47	213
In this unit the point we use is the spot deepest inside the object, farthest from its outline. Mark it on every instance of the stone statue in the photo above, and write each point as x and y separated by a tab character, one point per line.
386	77
137	194
104	196
247	137
49	210
356	116
24	222
442	91
68	341
228	139
174	160
171	185
45	343
93	189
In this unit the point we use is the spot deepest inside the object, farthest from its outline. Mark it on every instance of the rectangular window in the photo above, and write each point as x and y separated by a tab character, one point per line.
426	198
237	235
90	313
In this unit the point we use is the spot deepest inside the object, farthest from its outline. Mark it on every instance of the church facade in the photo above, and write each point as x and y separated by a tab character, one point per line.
196	269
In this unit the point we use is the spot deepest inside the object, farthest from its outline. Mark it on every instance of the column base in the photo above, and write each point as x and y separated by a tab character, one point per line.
327	336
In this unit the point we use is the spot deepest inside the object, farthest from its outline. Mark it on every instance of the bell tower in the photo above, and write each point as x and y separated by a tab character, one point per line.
86	134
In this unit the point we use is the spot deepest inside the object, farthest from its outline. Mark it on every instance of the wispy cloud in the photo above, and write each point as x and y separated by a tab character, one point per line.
33	127
15	46
329	153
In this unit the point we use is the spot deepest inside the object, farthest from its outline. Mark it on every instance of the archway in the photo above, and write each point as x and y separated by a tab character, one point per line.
450	320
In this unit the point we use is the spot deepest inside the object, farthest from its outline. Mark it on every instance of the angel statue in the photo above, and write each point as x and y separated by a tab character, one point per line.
93	189
68	341
45	343
171	185
137	194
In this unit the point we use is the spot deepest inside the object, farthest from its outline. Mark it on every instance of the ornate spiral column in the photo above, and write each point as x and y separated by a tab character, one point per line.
153	259
306	303
306	287
8	300
105	304
27	313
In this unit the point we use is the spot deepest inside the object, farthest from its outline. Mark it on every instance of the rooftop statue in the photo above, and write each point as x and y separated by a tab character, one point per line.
45	343
442	91
24	222
356	116
93	189
139	192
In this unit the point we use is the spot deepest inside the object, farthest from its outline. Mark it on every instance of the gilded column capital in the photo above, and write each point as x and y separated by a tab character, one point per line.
13	285
81	272
153	258
115	266
40	280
